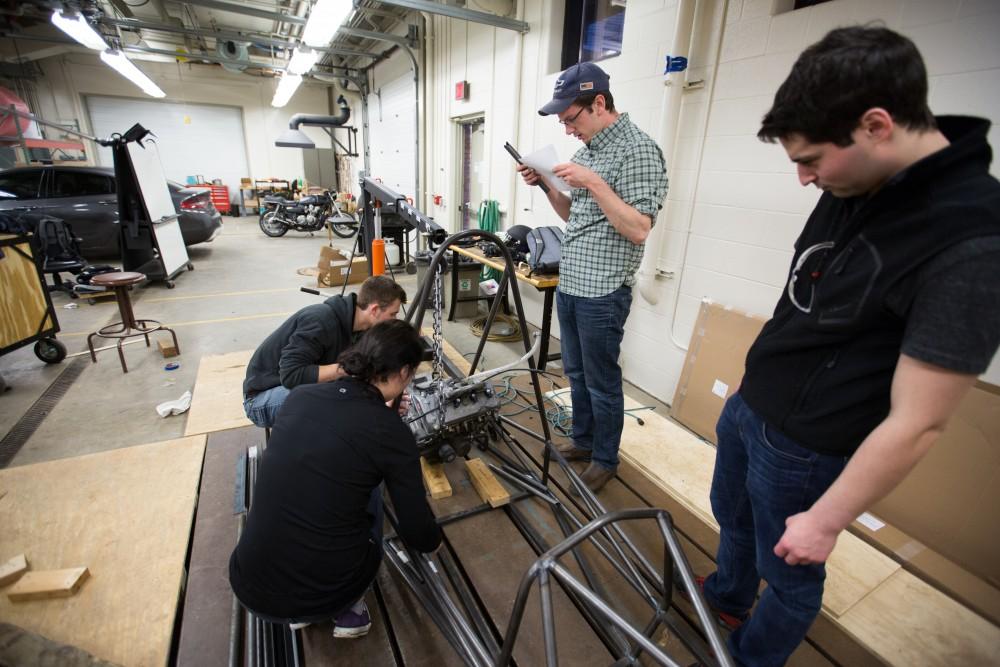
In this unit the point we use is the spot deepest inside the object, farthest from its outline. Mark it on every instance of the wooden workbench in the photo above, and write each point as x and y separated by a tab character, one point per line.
544	283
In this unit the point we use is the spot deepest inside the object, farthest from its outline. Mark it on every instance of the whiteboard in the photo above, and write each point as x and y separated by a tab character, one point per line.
159	206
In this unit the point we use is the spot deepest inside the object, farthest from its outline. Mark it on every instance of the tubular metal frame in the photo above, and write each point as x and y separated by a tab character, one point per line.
469	632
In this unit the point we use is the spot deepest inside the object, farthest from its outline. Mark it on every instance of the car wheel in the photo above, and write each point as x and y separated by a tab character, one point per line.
50	350
270	225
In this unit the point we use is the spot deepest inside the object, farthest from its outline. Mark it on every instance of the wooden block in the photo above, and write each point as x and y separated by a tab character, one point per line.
167	348
487	486
435	481
48	584
12	570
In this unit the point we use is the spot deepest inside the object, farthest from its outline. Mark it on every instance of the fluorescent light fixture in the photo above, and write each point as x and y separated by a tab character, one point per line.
77	27
287	85
302	60
127	69
324	21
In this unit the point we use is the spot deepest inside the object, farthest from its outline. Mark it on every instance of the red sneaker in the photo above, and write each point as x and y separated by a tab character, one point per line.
726	621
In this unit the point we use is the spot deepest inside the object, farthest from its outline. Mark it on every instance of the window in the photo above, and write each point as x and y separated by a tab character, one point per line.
592	30
20	184
72	183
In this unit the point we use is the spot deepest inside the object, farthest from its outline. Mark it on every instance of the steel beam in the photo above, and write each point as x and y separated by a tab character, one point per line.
459	13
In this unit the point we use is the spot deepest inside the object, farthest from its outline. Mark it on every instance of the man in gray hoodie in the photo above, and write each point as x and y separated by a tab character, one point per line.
304	349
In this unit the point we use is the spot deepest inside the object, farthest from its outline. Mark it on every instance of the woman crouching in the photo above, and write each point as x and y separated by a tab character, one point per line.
313	537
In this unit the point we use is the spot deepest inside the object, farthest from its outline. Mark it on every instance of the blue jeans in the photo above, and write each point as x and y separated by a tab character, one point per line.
592	331
761	478
262	408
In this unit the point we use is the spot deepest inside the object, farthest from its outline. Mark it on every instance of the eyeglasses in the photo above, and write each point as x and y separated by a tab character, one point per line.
814	272
572	119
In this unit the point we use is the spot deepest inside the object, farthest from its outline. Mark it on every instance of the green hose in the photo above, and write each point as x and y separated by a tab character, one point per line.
489	221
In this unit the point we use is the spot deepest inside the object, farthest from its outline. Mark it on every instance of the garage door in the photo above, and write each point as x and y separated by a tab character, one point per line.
390	117
193	139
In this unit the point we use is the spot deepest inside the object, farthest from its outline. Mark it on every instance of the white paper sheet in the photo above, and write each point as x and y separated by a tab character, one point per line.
542	161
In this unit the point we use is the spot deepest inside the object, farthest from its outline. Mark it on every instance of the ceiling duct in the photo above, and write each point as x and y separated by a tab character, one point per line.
231	50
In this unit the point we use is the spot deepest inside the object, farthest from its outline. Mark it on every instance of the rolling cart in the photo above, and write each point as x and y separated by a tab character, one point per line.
26	312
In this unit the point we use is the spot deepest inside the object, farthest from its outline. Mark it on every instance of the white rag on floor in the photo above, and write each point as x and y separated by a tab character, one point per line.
175	407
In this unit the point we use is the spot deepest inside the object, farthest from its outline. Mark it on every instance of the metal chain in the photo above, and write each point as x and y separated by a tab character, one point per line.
438	336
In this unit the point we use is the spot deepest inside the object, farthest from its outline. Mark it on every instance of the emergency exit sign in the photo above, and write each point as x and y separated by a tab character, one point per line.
462	90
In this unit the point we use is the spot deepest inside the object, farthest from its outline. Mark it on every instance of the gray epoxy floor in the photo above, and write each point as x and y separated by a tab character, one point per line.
244	284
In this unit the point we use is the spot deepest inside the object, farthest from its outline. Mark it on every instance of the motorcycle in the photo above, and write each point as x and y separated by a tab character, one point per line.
308	214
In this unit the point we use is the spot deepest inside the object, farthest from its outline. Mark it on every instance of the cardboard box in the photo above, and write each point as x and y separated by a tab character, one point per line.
333	268
713	368
950	499
940	521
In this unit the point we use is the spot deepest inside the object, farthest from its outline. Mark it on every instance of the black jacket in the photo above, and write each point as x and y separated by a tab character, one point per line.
823	378
292	354
307	549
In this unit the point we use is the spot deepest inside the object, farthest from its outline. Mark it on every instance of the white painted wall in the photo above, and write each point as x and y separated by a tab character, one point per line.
70	76
735	206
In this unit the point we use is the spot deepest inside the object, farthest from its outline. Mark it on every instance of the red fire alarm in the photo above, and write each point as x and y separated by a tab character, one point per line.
462	90
437	200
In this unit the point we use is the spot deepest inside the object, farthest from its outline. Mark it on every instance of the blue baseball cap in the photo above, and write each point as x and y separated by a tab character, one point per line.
580	79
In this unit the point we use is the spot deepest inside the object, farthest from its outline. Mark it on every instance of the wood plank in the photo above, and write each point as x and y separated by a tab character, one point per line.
167	348
217	403
496	556
435	479
907	622
208	598
127	514
46	584
12	570
420	641
486	485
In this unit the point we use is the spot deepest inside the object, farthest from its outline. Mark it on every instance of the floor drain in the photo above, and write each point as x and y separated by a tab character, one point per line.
36	414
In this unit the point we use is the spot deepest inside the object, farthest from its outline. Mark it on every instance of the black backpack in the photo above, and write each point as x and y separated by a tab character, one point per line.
545	248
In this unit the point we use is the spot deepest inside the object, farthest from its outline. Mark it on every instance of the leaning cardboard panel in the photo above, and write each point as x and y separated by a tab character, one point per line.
713	368
949	501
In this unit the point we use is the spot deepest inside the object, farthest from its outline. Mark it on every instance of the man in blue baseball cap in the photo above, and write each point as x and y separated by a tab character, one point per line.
619	182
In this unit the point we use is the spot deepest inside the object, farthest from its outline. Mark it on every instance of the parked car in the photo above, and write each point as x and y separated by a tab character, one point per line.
85	197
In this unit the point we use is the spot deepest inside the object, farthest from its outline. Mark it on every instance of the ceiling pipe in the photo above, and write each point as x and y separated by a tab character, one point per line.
232	36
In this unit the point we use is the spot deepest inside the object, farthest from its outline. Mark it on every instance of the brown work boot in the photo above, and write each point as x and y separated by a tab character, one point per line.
595	477
571	452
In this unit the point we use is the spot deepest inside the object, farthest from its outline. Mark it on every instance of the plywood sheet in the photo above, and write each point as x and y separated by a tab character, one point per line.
126	514
907	622
217	403
682	464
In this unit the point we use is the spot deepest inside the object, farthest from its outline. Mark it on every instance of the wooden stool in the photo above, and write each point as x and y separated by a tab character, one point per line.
129	327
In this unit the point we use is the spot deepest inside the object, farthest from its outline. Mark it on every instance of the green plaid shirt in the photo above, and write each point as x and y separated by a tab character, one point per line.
596	259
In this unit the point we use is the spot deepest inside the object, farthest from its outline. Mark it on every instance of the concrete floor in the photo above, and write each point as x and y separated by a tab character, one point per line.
244	284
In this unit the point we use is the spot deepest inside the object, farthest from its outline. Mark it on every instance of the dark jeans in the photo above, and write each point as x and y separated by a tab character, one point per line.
761	478
262	408
592	330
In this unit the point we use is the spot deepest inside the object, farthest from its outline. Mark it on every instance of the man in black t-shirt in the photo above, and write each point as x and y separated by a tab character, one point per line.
890	312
